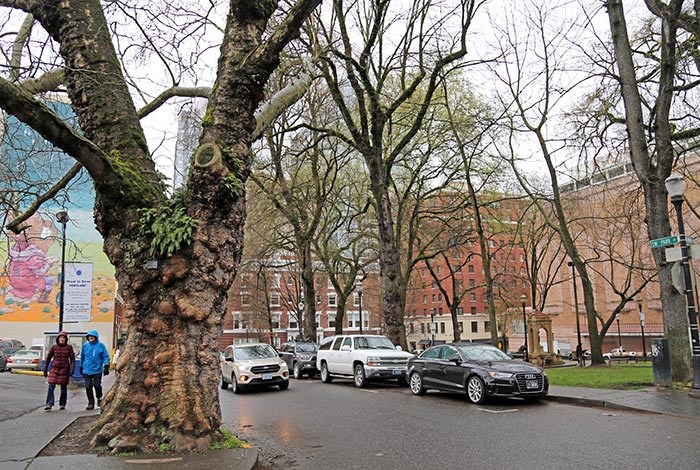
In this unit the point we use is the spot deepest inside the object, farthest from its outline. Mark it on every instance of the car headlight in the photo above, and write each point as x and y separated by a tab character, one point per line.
373	360
500	375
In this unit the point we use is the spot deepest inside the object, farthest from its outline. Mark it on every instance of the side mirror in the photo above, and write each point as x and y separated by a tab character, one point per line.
399	348
455	358
228	359
345	347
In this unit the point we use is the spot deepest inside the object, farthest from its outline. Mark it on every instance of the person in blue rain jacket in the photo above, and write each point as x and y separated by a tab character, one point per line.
94	363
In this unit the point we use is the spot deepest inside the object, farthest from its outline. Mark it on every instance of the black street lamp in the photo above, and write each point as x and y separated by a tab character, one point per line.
300	316
523	299
359	289
619	338
62	218
432	327
675	185
641	324
579	348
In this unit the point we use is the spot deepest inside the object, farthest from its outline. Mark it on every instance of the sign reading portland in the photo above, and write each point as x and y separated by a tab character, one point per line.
77	304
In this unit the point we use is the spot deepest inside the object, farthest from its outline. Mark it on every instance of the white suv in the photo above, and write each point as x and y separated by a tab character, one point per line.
362	357
247	365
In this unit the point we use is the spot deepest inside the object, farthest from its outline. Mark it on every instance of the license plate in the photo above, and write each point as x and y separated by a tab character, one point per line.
532	384
267	376
397	372
22	361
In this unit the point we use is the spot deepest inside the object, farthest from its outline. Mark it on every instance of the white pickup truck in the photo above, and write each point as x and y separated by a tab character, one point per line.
362	357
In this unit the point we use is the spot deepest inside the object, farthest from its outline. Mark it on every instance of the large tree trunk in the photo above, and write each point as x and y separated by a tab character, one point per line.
166	390
652	173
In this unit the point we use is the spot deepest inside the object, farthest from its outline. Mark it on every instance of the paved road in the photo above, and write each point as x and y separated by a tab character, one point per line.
316	426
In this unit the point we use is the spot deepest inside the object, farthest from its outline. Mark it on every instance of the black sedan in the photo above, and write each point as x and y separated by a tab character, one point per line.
480	370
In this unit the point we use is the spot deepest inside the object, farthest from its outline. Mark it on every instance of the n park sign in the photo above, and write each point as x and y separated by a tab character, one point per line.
663	242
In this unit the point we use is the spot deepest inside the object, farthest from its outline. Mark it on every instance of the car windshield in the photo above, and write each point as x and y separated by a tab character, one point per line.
483	353
307	347
373	342
259	351
27	353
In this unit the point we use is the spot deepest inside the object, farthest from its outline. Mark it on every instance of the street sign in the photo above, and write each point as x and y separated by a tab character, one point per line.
674	253
433	327
662	242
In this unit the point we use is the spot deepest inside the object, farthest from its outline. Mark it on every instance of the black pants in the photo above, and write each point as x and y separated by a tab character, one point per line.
61	400
93	381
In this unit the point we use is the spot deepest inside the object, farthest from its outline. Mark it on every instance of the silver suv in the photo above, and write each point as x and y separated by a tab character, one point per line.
256	364
362	357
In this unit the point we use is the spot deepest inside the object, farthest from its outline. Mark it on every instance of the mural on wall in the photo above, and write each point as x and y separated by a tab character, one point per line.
30	263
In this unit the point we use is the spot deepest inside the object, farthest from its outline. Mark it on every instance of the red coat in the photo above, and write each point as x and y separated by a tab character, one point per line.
63	364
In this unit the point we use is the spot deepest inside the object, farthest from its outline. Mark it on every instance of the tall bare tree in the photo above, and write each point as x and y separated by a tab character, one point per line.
376	57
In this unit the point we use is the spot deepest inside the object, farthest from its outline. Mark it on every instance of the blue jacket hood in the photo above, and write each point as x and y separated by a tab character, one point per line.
93	333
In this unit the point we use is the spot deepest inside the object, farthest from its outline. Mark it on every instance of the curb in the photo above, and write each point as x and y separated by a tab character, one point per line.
38	373
581	401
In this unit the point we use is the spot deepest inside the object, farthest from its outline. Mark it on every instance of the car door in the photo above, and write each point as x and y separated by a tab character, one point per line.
452	372
286	353
334	355
227	363
345	356
431	365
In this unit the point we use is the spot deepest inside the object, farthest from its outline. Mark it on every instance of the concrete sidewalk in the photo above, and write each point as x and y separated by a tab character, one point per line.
25	436
20	453
649	400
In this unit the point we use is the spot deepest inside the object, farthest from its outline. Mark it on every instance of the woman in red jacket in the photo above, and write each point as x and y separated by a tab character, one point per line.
62	368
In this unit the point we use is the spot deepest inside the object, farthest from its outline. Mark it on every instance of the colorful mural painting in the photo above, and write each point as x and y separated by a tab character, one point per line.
30	262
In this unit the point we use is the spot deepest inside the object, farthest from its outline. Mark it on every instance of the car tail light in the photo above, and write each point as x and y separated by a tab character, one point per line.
35	361
9	360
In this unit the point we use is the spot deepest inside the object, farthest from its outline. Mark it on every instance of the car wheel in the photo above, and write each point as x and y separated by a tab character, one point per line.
476	390
325	375
359	374
234	385
416	383
297	371
224	384
284	385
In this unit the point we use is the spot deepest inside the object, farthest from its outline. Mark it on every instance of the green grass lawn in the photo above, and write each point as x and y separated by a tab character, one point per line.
617	376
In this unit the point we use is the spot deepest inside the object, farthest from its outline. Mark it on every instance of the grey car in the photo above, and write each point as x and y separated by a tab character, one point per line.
300	358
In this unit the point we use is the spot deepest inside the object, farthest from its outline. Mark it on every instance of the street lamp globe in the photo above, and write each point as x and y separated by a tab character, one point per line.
675	185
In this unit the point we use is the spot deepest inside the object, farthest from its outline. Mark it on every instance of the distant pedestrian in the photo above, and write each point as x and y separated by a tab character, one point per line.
95	362
61	357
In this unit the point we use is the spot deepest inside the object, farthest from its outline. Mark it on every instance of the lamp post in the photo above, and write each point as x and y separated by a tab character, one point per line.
523	299
62	218
432	327
359	289
675	185
619	338
641	324
579	348
300	316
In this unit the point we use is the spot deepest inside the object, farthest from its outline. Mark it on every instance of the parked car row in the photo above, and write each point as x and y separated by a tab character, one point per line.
480	371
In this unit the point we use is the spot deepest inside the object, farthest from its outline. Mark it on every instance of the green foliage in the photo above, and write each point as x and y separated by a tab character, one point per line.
235	186
618	376
169	227
230	441
164	447
130	453
144	189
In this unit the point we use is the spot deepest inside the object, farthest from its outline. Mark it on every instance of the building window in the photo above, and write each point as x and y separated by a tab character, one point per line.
442	327
318	320
411	328
440	311
439	269
238	323
439	297
472	283
473	311
425	299
460	311
290	280
356	300
487	326
433	298
245	299
275	317
422	328
475	327
470	268
331	321
331	300
274	300
472	296
293	325
461	327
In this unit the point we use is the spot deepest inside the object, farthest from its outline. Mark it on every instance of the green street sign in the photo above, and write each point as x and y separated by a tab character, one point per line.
662	242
